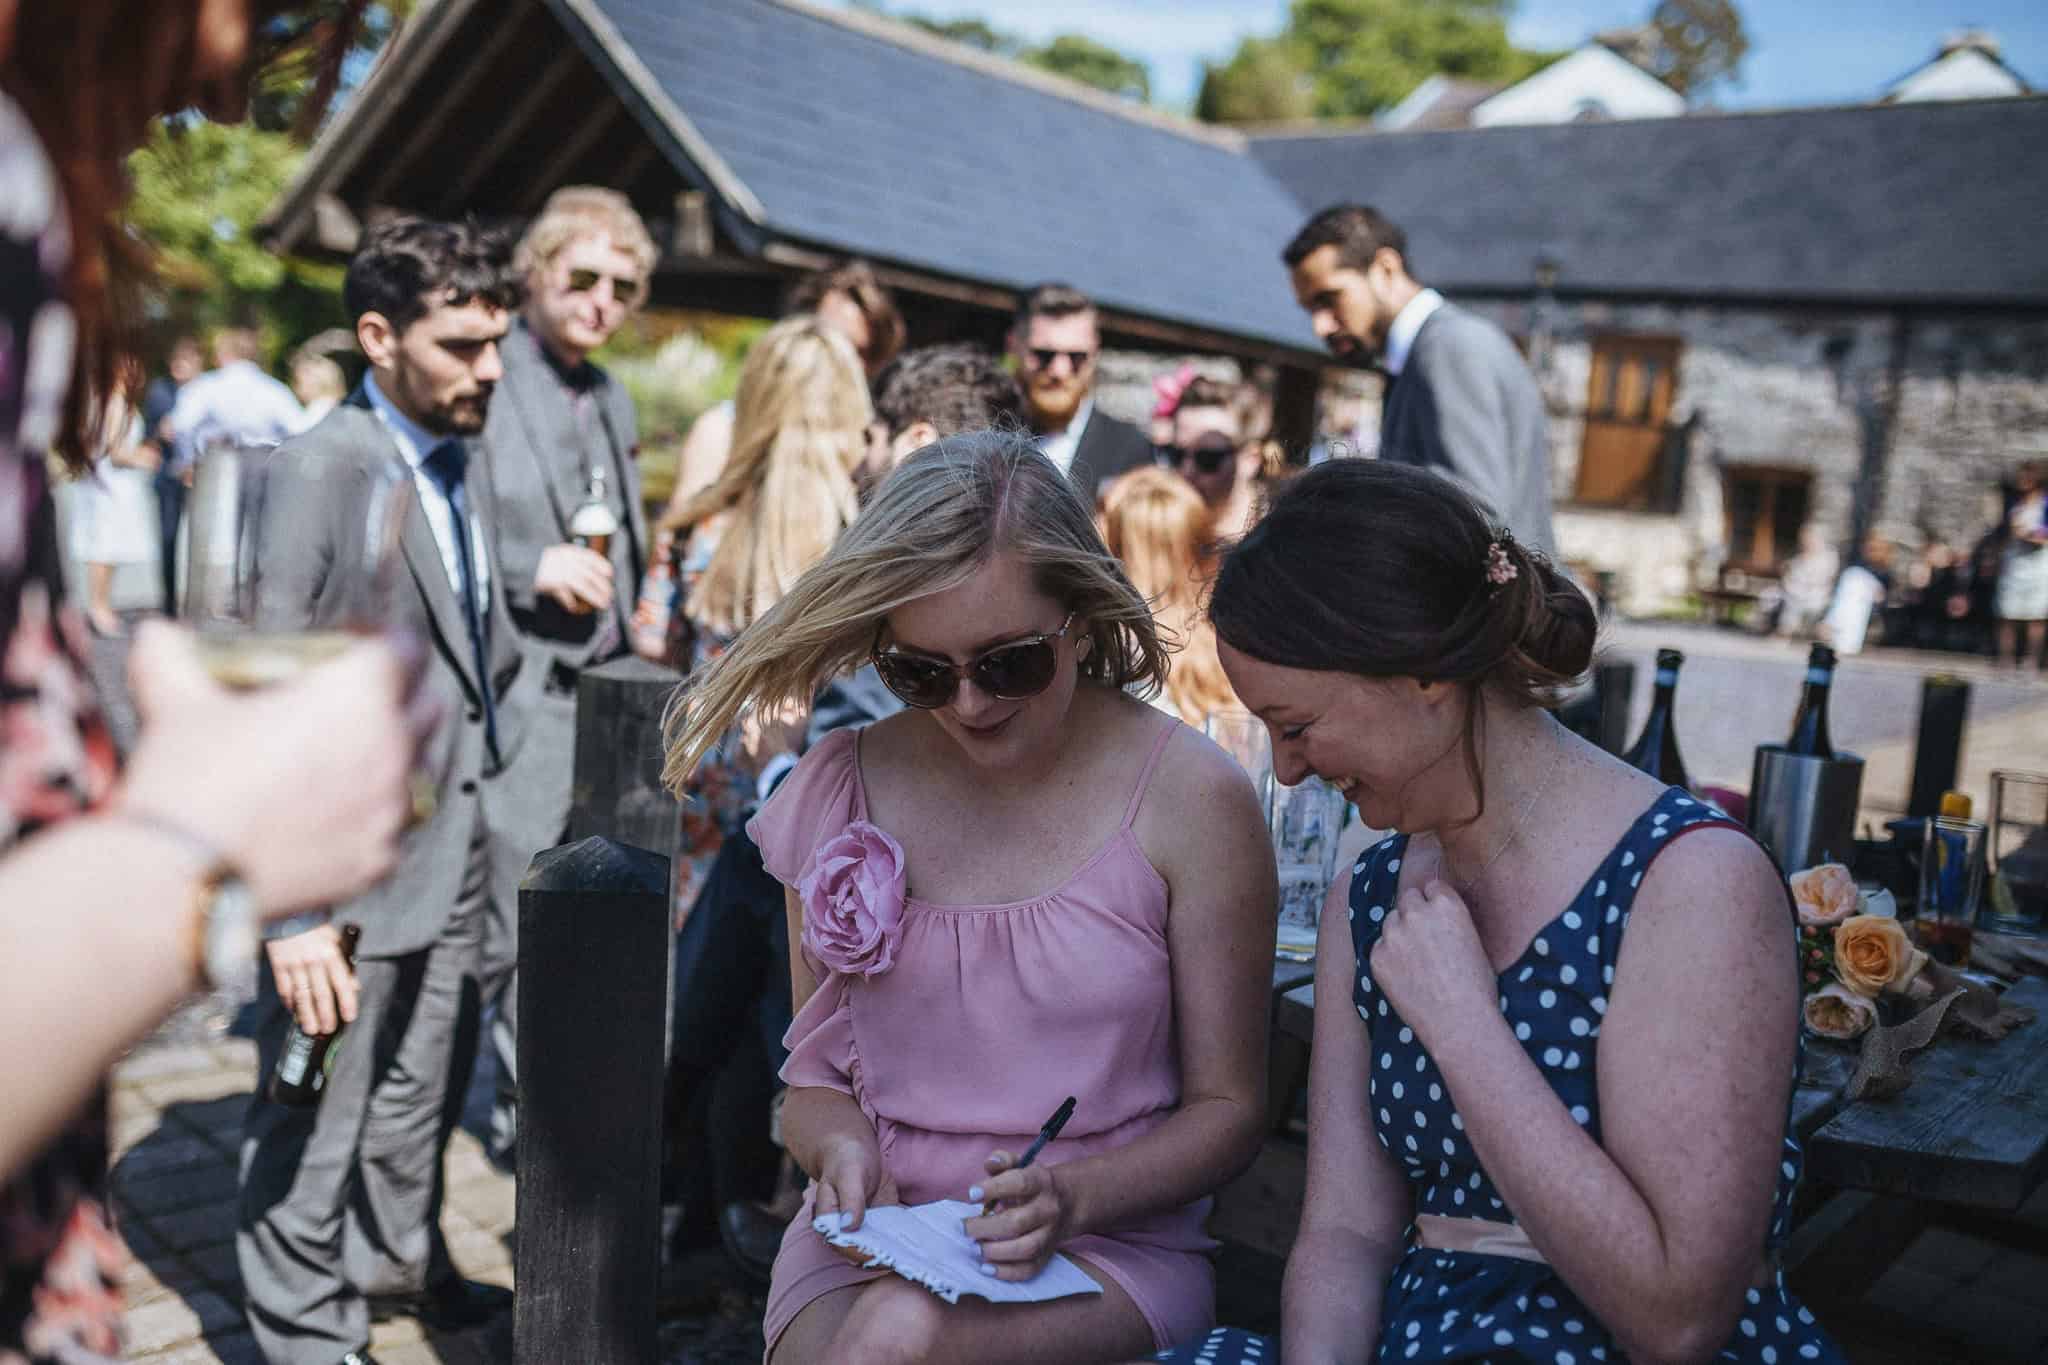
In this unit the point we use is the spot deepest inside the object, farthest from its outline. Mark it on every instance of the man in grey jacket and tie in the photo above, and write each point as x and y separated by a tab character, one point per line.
1459	398
344	1200
562	442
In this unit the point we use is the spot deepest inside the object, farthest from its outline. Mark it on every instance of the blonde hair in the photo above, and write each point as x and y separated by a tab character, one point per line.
320	375
787	490
582	210
1158	525
939	518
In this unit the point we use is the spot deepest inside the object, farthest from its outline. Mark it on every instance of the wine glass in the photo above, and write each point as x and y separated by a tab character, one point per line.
232	492
236	489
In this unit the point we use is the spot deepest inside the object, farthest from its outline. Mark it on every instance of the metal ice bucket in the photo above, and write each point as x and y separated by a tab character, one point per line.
1802	808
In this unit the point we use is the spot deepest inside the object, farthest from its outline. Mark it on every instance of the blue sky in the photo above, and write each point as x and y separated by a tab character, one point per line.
1801	51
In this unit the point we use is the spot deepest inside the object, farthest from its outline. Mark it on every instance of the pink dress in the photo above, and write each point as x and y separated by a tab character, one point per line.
987	1018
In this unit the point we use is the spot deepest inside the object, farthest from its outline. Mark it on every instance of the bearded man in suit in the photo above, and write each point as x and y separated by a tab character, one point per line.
343	1201
1459	397
1055	342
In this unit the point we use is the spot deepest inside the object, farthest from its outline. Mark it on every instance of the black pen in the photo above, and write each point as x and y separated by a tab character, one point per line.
1046	1134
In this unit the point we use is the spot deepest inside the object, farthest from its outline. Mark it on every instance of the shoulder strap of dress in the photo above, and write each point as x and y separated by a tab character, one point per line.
1166	732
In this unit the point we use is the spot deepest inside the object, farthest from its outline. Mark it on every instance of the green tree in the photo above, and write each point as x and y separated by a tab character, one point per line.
1073	55
200	189
1700	43
310	56
1362	56
1082	59
1265	81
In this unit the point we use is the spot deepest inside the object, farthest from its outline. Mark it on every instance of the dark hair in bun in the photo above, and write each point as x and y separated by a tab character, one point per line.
1392	571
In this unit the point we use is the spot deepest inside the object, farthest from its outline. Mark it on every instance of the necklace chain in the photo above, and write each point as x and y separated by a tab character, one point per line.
1514	832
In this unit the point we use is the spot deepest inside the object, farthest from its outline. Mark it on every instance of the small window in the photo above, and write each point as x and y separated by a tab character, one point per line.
1625	455
1766	508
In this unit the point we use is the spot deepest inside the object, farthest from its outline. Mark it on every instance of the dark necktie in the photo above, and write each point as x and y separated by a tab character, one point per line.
446	464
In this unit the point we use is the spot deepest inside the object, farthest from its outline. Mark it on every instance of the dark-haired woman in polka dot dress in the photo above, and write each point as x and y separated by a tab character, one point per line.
1556	1027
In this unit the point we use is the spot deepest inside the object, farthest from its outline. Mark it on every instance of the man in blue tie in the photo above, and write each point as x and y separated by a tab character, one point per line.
340	1204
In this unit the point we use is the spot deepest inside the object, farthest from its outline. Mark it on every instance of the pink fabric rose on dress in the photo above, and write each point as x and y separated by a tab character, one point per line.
853	901
1824	895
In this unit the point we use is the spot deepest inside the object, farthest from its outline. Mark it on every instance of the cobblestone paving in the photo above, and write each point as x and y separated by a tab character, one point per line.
178	1102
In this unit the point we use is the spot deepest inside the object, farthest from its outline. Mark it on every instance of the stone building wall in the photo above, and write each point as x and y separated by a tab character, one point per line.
1794	389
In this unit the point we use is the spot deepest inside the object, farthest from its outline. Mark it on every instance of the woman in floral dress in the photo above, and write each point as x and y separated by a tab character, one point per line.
105	882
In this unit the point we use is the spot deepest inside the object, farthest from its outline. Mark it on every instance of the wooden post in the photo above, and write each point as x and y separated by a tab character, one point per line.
1938	752
1296	391
593	1024
1614	683
618	791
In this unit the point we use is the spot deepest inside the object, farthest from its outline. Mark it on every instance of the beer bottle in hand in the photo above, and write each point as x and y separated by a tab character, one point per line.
1810	725
1656	749
303	1067
594	523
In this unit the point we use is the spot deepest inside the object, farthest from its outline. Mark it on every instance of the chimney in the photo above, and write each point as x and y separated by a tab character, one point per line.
1971	40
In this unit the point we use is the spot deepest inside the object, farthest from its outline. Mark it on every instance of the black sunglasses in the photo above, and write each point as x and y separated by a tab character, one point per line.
1043	357
1207	458
625	288
1022	668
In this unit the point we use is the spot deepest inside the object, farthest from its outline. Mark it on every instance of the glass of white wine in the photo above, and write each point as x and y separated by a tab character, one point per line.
234	488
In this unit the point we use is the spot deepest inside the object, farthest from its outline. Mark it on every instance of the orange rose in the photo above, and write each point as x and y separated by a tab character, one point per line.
1835	1011
1824	895
1873	954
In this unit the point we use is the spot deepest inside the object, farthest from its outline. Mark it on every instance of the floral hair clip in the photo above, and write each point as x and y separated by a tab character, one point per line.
1500	570
1167	389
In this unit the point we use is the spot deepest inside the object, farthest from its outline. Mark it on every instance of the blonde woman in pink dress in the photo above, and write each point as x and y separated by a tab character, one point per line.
1027	885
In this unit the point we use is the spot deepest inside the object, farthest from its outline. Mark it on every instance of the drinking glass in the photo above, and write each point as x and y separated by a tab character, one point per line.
2018	853
1243	736
233	493
1308	818
1951	884
235	496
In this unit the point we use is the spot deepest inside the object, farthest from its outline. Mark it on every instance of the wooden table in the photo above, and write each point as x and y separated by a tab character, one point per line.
1971	1130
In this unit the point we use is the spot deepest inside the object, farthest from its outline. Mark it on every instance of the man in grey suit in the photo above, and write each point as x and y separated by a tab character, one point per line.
562	440
344	1199
1459	397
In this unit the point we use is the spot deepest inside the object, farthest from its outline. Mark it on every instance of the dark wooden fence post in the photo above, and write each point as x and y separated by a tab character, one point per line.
618	791
593	1026
1614	682
1938	752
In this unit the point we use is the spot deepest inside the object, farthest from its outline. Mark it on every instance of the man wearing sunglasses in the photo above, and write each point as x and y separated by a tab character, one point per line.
561	434
1055	342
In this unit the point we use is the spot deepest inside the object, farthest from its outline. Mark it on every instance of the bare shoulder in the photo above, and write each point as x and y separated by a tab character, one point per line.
1200	812
1712	878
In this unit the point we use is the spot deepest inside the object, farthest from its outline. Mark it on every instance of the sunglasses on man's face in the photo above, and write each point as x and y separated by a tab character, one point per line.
1207	458
1042	358
625	288
1009	672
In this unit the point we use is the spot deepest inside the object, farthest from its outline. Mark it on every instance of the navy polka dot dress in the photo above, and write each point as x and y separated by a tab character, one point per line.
1442	1305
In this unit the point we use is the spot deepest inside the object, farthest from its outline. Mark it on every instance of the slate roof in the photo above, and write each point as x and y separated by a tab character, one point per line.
855	139
1912	203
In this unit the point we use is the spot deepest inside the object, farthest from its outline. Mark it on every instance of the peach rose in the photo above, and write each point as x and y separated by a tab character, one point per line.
1873	954
1835	1011
1824	894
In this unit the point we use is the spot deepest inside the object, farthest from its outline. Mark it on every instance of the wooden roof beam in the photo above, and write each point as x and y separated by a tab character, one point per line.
518	117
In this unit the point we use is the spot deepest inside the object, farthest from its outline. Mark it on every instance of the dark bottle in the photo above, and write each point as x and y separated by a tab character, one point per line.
302	1068
1656	749
1810	726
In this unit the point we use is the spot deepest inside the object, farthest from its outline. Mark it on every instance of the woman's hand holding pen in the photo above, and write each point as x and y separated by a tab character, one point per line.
1034	1220
851	1178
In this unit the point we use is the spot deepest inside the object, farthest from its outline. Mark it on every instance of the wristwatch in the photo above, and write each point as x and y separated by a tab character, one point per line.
227	936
